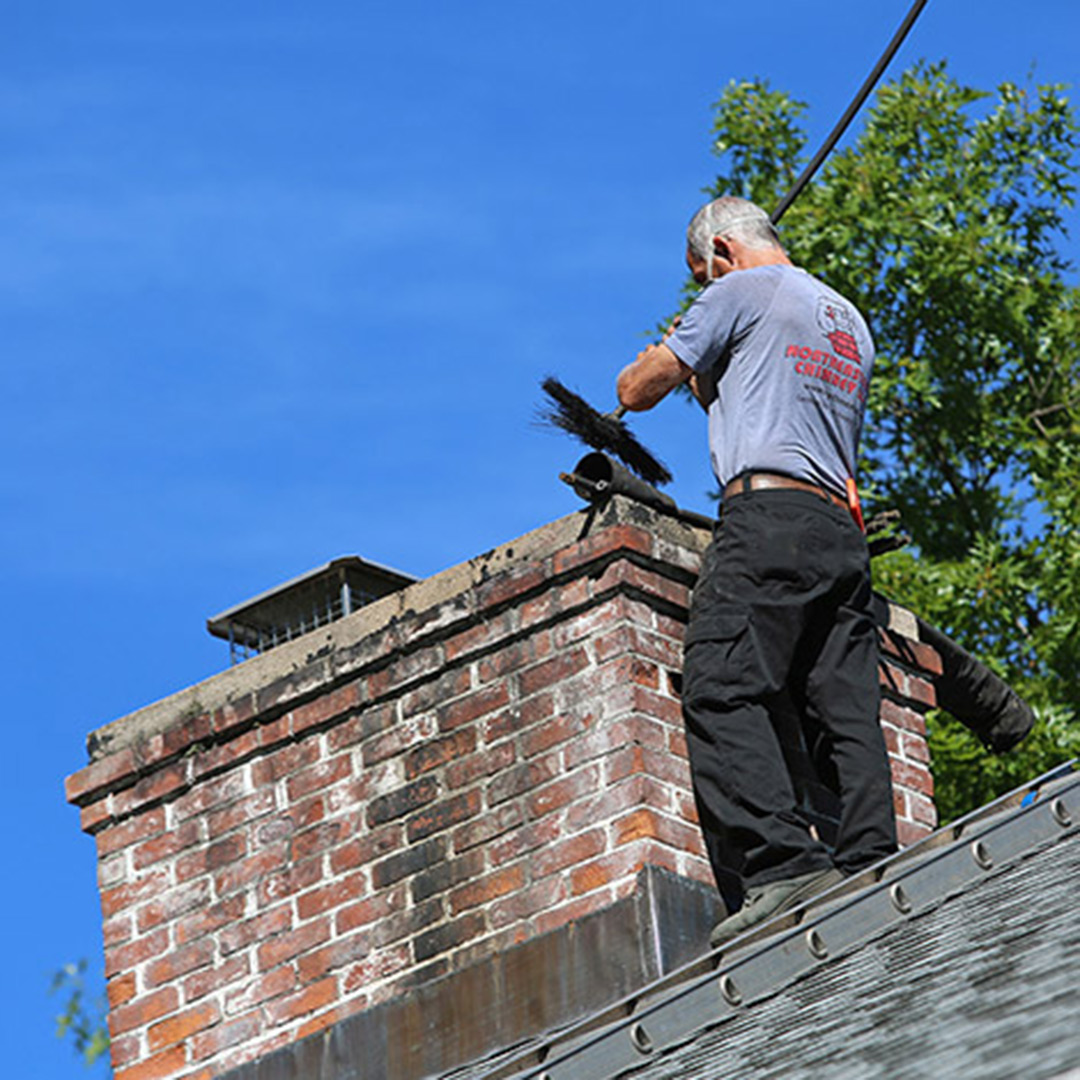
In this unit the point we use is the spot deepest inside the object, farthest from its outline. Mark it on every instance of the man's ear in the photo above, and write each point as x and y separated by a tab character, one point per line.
721	248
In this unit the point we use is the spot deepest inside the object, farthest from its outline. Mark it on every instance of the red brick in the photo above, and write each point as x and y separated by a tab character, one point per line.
529	901
265	987
536	710
604	871
211	980
624	574
101	777
405	670
288	882
171	905
471	707
374	719
366	849
176	739
627	638
645	824
915	654
510	584
437	752
400	737
914	748
911	776
480	765
642	759
223	1036
489	888
125	1051
224	852
333	895
559	729
327	707
244	932
892	739
167	1063
318	839
133	892
404	800
575	593
130	956
130	832
368	911
552	672
523	779
898	683
284	761
332	957
276	734
908	833
512	658
562	792
233	715
567	851
487	827
94	815
148	1008
904	718
920	809
210	919
210	795
316	777
180	962
616	538
480	636
375	968
284	947
587	624
120	990
118	930
164	780
538	834
243	874
185	835
442	815
312	998
182	1026
215	759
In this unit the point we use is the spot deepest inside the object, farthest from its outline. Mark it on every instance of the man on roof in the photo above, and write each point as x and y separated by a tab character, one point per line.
781	611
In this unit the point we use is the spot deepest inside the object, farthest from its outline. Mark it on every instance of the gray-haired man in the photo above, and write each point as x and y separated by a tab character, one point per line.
781	363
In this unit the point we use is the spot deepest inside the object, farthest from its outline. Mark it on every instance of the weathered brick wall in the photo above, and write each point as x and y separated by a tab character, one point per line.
482	758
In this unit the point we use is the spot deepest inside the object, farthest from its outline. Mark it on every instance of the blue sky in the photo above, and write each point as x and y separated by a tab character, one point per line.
278	283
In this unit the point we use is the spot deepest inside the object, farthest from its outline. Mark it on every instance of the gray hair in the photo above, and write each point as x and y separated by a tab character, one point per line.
730	216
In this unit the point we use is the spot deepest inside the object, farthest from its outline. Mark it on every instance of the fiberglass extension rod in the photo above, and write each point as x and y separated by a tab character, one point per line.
852	109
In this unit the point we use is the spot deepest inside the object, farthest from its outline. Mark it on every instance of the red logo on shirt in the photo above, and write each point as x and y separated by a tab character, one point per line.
837	323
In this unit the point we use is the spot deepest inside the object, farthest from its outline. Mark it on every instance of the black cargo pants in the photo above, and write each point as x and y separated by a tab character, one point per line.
782	608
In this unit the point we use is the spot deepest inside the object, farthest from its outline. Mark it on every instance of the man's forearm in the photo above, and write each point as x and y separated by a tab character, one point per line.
650	378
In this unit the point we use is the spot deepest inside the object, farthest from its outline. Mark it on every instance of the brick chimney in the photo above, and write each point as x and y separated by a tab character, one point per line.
457	817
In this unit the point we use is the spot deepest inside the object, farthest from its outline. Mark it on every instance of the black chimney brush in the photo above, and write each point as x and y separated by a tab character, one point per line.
601	431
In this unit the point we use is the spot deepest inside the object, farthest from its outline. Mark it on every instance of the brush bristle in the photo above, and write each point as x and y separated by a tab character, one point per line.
577	417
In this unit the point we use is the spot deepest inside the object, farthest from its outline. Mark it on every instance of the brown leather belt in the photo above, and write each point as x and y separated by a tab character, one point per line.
774	482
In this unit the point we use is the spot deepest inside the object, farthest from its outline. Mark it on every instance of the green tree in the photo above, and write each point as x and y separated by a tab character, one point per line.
943	219
82	1020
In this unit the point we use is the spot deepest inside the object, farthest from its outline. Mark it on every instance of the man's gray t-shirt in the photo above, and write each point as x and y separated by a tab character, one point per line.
788	360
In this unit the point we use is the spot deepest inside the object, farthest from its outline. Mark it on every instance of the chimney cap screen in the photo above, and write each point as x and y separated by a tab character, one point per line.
305	603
